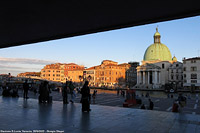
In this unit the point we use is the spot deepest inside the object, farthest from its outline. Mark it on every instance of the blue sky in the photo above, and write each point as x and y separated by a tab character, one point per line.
181	36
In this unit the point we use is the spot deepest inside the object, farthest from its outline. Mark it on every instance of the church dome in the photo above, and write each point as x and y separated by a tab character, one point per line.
157	51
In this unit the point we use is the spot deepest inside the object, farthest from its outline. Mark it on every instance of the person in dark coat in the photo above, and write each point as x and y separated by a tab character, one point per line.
71	88
151	105
44	92
26	87
85	99
65	92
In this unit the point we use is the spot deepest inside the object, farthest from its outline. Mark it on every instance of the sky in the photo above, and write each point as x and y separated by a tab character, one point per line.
181	36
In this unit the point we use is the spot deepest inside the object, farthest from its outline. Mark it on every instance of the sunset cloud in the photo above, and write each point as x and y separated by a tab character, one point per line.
25	61
19	65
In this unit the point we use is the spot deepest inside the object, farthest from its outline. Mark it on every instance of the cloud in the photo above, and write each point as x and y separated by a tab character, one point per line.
25	61
8	67
19	65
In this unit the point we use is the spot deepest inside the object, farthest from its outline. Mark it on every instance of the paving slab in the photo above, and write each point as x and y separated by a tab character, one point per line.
19	115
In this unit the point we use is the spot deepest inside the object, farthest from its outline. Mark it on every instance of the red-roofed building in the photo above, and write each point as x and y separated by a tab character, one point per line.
109	73
59	71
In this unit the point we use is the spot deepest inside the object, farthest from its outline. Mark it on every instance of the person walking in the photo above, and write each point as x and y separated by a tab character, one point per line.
26	87
85	99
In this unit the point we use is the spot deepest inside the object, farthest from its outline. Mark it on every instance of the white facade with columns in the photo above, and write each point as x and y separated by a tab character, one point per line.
152	76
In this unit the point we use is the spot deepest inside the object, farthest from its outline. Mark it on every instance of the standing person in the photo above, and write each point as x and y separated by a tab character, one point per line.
71	88
143	107
85	91
44	91
175	107
94	95
26	87
47	92
118	92
65	92
151	105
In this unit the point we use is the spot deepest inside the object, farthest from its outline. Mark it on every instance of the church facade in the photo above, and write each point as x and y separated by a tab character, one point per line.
153	73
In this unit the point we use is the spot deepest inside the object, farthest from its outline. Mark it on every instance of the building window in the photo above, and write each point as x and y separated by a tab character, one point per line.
193	76
176	65
184	69
184	75
193	69
172	70
176	77
172	77
193	81
193	61
163	66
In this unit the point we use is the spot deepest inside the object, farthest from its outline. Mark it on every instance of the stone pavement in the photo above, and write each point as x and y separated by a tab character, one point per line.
22	115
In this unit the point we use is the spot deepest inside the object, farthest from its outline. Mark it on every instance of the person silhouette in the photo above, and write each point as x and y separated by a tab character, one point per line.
85	99
65	90
26	87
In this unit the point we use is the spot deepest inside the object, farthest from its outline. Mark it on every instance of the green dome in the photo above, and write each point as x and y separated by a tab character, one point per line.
157	51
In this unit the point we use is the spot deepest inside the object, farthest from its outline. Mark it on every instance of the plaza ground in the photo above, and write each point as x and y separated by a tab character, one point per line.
107	115
161	101
27	115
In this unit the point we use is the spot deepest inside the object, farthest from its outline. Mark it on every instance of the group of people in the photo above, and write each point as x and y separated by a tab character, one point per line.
7	91
179	103
68	88
151	105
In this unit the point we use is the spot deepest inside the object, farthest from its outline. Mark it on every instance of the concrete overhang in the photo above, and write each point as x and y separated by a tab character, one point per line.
30	21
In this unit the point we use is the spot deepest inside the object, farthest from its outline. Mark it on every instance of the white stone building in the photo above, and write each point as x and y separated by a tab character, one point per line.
176	75
153	73
191	73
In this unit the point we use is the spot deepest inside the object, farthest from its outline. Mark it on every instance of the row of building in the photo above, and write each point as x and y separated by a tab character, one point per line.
108	73
158	70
